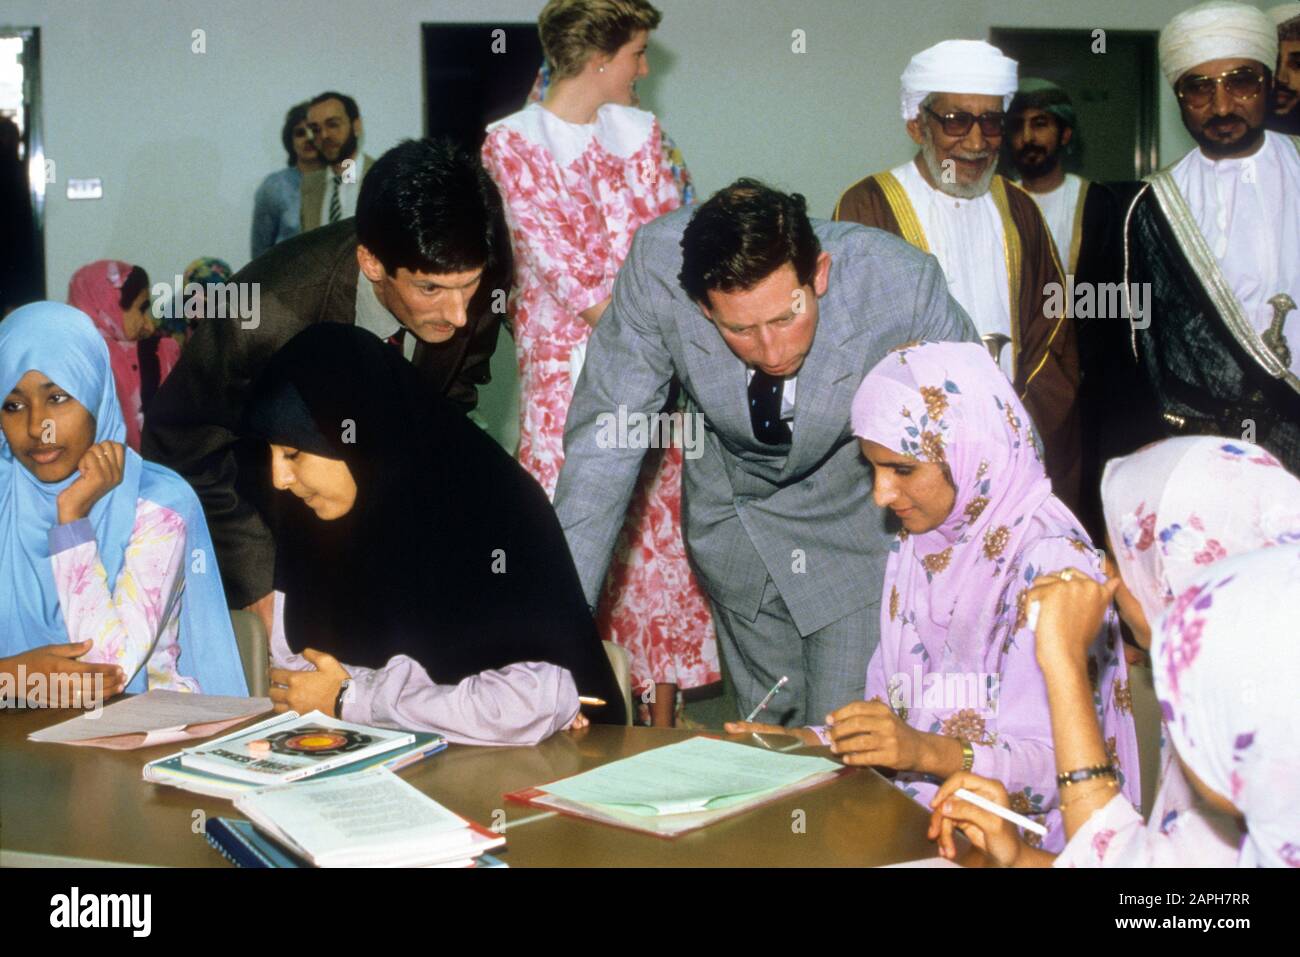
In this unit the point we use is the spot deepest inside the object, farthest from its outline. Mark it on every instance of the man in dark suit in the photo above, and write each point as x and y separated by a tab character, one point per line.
425	265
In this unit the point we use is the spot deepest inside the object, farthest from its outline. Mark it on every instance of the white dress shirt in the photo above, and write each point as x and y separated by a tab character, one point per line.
373	317
1057	207
965	235
1248	210
348	191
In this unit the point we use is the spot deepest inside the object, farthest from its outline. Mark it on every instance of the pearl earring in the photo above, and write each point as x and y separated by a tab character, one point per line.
601	70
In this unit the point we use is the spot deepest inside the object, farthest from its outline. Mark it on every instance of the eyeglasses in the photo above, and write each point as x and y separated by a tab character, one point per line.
959	124
1243	83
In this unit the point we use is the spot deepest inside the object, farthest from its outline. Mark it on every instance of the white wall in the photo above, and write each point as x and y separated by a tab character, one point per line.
181	140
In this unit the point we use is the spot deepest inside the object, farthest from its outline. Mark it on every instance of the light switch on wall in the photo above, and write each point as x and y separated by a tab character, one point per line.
86	188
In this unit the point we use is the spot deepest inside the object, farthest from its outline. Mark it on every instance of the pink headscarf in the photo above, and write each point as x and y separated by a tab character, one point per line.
1233	717
1177	506
96	290
946	402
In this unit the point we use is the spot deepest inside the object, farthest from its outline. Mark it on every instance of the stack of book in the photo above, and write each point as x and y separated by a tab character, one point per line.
369	819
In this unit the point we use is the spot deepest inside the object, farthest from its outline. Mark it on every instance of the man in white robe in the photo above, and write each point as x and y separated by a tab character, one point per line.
1217	237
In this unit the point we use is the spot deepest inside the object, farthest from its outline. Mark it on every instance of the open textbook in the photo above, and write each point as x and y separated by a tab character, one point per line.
370	819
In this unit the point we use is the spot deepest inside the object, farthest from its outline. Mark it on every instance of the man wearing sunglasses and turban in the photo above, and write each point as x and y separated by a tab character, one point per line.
1217	237
987	233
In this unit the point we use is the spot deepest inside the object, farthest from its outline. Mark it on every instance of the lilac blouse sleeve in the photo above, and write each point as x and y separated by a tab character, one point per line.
1023	755
523	703
138	624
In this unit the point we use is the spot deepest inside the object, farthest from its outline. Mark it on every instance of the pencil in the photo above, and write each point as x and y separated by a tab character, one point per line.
1007	815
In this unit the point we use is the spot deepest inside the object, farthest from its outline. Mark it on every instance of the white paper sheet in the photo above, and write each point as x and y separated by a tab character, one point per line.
155	717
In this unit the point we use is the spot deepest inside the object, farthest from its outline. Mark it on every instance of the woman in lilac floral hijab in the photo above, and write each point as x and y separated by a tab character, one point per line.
1232	722
1174	510
953	683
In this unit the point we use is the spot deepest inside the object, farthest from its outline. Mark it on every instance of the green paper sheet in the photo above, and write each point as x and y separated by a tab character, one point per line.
694	775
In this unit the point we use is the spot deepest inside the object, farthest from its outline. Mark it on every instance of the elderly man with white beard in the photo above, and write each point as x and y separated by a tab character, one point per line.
987	234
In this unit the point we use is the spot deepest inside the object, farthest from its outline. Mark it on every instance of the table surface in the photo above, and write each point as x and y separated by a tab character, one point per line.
68	804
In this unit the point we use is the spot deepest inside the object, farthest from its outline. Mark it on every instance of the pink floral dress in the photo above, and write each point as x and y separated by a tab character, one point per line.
575	195
137	624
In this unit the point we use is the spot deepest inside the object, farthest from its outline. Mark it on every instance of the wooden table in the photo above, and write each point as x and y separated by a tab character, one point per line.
61	804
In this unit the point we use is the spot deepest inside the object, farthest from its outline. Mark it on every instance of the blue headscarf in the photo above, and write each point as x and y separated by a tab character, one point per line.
61	343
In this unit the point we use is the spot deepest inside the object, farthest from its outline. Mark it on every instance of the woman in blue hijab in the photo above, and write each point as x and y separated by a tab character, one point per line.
105	560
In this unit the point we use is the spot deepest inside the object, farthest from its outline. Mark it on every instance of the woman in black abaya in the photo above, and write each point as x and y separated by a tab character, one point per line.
422	579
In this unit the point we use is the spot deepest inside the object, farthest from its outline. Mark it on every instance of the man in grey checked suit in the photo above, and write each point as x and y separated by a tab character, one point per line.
753	307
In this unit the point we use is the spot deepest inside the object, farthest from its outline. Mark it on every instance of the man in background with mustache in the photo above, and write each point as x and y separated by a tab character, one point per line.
987	234
1086	223
1217	235
1286	79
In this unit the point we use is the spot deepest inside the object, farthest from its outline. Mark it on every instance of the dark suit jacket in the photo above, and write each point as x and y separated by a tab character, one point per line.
195	421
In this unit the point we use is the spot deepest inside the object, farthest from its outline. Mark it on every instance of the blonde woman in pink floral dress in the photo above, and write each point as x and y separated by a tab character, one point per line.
580	172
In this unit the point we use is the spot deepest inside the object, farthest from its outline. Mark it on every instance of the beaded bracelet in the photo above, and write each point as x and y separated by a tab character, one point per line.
1085	774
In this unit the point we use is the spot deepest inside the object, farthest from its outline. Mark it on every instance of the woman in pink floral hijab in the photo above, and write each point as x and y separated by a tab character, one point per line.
1173	510
115	295
1233	717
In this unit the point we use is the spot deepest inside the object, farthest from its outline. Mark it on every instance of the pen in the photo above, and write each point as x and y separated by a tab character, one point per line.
1018	819
591	702
770	695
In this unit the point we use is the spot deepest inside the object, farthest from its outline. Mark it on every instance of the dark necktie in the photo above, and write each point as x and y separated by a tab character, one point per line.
765	409
336	208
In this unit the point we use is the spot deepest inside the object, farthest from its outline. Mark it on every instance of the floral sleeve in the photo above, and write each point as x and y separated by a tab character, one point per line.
1116	836
558	235
139	622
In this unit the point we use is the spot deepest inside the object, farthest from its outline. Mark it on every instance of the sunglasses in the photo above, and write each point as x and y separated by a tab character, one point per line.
1242	84
959	124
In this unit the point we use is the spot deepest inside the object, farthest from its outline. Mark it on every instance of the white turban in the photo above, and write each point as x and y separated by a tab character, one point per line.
1284	12
958	66
1217	30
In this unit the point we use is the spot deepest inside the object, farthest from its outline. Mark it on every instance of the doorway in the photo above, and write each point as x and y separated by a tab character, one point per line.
24	171
476	74
1111	78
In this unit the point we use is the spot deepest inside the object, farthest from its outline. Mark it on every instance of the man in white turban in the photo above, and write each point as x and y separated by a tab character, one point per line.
988	234
1286	78
1217	238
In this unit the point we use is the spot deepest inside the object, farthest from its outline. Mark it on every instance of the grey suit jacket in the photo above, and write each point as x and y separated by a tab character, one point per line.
805	519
